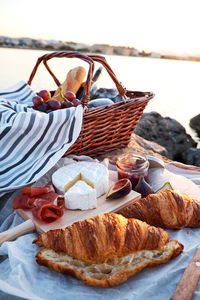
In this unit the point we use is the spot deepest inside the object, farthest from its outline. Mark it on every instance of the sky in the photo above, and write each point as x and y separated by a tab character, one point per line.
157	25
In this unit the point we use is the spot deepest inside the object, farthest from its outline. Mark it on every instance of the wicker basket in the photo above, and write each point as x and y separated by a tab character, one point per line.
105	128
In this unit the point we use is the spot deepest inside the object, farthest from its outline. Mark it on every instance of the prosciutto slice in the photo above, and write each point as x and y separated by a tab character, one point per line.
23	201
41	205
35	191
47	212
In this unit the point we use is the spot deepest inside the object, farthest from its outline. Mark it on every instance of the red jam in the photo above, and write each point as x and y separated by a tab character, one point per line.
132	166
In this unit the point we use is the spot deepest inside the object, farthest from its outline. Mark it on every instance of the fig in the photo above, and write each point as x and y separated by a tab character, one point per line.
143	187
166	186
119	189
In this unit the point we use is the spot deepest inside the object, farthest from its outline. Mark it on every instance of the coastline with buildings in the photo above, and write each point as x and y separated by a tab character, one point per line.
55	45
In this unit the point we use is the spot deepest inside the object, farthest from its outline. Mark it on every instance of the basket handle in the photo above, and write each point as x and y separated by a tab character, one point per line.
103	61
70	54
90	58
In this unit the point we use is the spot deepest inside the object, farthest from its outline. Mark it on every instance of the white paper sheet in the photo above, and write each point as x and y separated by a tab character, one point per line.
21	276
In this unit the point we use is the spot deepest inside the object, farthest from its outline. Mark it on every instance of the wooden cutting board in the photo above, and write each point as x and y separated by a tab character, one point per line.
69	216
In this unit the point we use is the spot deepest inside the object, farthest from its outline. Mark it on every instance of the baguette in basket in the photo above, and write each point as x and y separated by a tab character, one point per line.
72	82
105	250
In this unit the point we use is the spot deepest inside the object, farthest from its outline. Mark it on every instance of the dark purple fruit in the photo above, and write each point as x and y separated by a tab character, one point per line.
66	104
76	102
69	95
43	107
119	189
143	187
54	104
44	94
37	100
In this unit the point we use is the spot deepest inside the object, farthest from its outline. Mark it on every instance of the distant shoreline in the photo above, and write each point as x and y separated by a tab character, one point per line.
105	49
87	50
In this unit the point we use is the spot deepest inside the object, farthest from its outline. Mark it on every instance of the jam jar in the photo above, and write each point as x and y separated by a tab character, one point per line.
132	166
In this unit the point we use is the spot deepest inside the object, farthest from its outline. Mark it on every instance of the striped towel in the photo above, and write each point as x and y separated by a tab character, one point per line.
31	142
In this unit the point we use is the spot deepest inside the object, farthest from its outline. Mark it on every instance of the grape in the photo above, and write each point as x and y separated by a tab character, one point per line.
37	100
43	107
66	104
76	102
54	104
69	96
44	94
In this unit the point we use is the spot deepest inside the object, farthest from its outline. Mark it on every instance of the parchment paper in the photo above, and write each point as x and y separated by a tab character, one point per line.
21	276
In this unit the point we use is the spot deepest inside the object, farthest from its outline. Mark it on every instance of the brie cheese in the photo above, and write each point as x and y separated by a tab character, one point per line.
72	180
80	196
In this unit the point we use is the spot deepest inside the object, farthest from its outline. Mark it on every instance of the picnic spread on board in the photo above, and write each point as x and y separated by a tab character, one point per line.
99	222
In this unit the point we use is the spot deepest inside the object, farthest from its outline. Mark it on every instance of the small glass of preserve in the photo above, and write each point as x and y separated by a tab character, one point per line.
132	166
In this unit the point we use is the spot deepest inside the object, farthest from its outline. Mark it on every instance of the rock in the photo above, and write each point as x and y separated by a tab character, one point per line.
166	132
191	157
147	145
140	146
195	124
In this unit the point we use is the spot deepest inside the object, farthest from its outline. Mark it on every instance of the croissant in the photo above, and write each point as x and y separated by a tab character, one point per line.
168	209
105	250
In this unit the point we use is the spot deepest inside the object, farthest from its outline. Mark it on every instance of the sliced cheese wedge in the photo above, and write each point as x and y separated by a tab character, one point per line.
81	183
80	196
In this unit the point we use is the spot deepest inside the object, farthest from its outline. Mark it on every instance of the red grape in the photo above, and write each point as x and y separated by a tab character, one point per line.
44	94
43	107
54	104
76	102
69	95
37	100
66	104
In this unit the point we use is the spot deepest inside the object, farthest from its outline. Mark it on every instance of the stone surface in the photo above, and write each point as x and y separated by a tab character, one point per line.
191	157
166	132
140	146
195	124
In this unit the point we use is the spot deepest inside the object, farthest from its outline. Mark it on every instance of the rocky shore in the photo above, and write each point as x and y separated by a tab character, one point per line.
171	135
180	147
162	137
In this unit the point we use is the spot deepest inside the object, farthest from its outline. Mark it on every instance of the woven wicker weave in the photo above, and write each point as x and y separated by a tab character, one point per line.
105	128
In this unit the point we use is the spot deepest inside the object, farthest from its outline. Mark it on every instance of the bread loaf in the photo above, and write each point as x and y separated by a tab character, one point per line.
72	82
105	250
168	209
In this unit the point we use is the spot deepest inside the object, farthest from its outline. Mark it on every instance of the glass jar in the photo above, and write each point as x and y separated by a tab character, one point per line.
132	166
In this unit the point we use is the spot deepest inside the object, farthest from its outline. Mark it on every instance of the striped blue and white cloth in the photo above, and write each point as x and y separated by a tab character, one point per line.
31	142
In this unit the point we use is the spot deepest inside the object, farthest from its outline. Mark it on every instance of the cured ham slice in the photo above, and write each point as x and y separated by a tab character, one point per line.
23	201
41	205
47	212
35	191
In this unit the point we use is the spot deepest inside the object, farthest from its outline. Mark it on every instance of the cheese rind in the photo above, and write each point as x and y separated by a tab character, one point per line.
80	196
93	173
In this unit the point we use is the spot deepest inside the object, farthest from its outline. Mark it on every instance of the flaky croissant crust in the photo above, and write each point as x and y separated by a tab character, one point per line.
103	237
168	209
